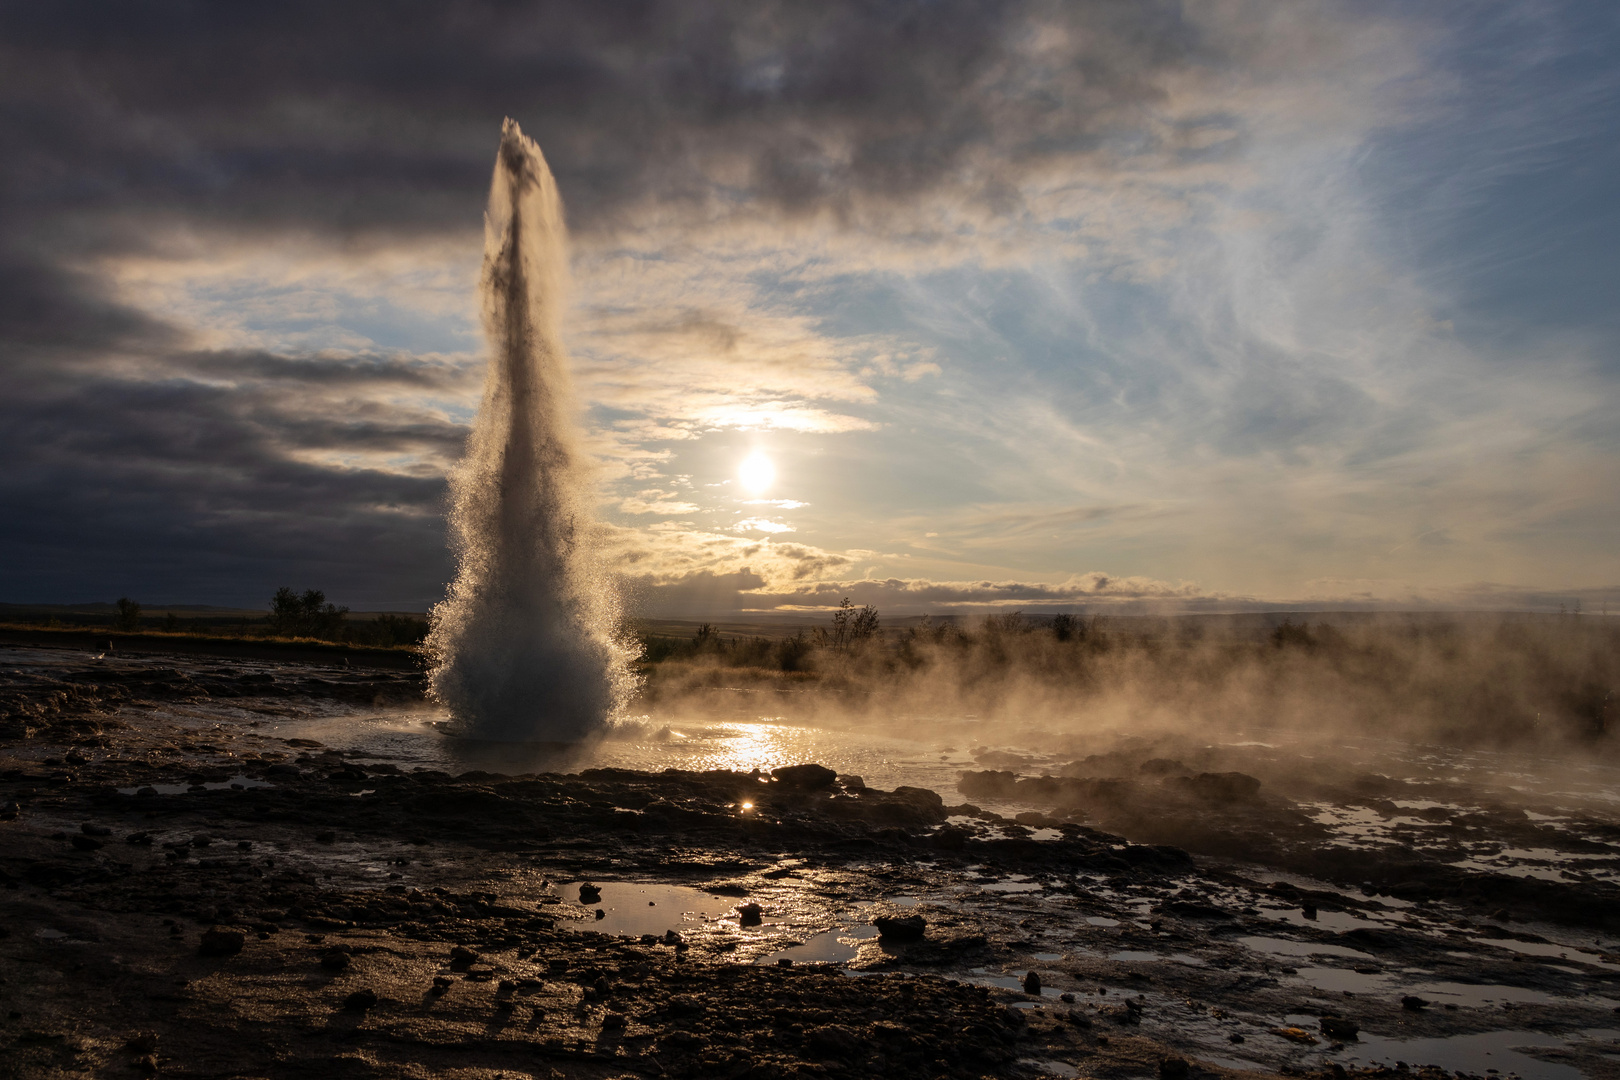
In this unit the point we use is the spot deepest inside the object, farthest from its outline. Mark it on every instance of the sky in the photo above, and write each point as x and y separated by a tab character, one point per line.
1087	306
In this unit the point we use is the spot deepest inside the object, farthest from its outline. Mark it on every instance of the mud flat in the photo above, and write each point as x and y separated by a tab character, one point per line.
189	888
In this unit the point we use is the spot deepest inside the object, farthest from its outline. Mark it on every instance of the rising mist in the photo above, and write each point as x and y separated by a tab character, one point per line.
1462	679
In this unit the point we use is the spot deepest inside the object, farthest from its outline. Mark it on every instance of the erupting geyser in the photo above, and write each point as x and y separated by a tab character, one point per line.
525	644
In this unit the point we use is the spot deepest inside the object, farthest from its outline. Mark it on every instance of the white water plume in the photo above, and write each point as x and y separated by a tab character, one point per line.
525	644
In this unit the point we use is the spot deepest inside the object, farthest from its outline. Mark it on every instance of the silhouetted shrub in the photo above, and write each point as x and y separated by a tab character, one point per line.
129	614
792	654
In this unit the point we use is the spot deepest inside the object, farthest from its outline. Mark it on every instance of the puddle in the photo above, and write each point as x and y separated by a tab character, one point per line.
832	946
1497	1051
1441	992
1145	956
238	781
1101	920
1011	887
1337	980
634	908
1549	949
1325	920
1287	947
986	977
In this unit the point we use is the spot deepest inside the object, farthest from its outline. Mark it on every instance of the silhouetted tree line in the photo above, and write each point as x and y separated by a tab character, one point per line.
292	614
309	614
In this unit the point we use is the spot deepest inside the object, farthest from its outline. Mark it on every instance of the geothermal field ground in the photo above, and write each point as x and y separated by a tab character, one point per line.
227	867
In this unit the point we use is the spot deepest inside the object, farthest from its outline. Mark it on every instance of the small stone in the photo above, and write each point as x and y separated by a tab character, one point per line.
749	915
1032	983
219	941
1235	1038
360	1001
201	840
142	1042
600	914
91	829
1339	1028
613	1021
589	894
1174	1068
1413	1003
86	843
335	960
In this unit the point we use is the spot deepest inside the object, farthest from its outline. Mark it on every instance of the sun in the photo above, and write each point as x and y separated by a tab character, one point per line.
756	473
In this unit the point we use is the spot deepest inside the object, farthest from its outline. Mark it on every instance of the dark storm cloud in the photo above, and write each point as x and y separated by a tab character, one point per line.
374	115
134	461
178	487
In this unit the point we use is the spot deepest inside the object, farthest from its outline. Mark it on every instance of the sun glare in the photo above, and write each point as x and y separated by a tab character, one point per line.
756	473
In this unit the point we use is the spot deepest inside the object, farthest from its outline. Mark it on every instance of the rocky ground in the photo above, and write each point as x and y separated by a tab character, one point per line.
184	894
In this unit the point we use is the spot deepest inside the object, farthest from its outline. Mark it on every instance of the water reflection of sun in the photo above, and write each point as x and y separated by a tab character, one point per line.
749	746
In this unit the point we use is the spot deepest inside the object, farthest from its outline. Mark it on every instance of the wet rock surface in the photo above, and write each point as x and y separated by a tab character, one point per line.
269	906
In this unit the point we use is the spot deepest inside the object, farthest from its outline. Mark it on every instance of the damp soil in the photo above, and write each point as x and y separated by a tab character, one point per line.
187	889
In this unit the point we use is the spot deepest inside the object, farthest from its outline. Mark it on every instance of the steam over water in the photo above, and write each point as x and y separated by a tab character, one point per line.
525	643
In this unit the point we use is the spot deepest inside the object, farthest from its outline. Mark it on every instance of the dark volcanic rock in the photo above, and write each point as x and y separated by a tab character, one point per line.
835	1040
221	941
360	1001
901	927
990	783
806	777
1216	787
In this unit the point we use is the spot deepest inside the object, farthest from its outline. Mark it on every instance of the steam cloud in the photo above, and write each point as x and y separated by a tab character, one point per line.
525	643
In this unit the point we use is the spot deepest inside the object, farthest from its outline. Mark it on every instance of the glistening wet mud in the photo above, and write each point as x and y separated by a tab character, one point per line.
279	870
